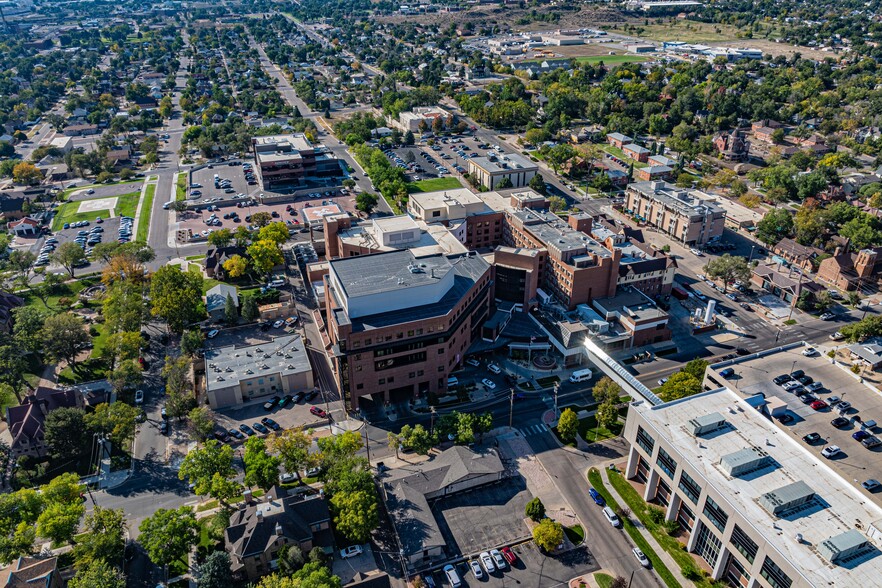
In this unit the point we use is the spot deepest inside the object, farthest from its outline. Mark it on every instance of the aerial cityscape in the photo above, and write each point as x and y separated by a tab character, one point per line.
440	294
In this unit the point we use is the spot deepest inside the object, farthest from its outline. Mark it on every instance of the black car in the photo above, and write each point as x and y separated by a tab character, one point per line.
805	380
797	374
785	418
840	422
742	351
246	429
271	403
782	379
270	423
808	398
310	395
221	436
260	428
812	438
285	400
298	397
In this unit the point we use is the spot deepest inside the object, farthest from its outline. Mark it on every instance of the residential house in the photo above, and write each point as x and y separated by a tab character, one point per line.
407	492
25	227
12	205
788	286
31	572
796	254
26	420
764	134
216	300
869	352
850	271
215	258
258	530
732	146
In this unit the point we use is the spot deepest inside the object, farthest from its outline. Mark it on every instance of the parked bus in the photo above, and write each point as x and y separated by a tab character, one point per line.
580	375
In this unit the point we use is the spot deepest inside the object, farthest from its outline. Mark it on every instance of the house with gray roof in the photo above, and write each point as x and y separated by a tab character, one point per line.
407	492
216	300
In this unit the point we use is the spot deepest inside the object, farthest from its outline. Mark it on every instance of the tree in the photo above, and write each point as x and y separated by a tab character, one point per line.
231	314
201	422
27	324
619	582
696	368
69	255
355	514
568	424
220	238
191	341
276	232
870	326
115	421
26	173
504	184
535	509
560	154
235	266
312	575
261	468
291	559
204	465
65	337
293	446
395	442
215	571
366	202
774	226
606	388
416	438
65	432
680	385
168	535
261	219
98	573
823	301
556	203
538	184
176	297
250	311
607	414
103	539
124	345
127	375
548	534
60	521
728	268
265	255
6	149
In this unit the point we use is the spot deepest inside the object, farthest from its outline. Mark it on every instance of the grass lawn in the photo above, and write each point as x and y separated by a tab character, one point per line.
596	481
126	204
66	290
613	150
603	580
87	371
195	257
100	340
612	59
591	433
576	534
640	509
434	185
181	187
207	283
146	209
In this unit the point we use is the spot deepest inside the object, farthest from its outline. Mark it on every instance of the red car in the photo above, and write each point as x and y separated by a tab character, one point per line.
509	555
318	412
819	404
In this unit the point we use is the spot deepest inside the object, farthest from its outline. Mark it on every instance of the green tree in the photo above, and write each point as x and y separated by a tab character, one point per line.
366	202
276	232
27	324
168	535
265	255
176	297
605	389
125	376
870	326
220	238
538	184
65	337
312	575
261	219
231	314
535	509
65	432
416	438
215	571
201	422
728	268
607	414
293	446
60	521
261	468
395	442
69	255
291	559
548	534
680	385
191	341
115	421
207	467
696	368
568	424
556	203
250	311
355	514
103	539
823	301
774	226
124	345
98	573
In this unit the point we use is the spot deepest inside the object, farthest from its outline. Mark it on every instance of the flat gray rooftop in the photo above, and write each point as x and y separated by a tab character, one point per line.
226	366
388	272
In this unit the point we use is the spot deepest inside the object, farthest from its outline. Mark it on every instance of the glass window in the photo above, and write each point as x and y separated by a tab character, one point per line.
716	514
707	546
667	463
645	440
689	487
775	575
744	544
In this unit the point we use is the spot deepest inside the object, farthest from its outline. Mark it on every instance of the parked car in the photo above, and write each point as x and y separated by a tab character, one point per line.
489	384
452	576
212	333
509	555
871	485
596	497
818	405
830	451
351	551
316	411
271	403
644	561
840	422
473	362
246	429
827	316
285	400
812	438
221	436
139	397
476	569
270	423
488	562
498	559
611	517
871	442
859	435
809	352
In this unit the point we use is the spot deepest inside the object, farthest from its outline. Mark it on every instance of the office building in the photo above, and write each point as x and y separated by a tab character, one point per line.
399	324
422	118
493	170
758	507
286	161
686	215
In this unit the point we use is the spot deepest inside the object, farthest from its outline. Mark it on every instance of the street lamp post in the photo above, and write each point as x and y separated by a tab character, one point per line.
511	408
556	389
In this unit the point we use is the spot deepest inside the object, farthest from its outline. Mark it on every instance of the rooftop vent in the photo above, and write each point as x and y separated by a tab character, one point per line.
220	378
846	545
707	424
229	369
249	371
787	498
745	461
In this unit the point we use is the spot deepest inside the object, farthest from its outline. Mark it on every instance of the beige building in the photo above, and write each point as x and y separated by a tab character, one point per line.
490	171
686	215
425	117
234	375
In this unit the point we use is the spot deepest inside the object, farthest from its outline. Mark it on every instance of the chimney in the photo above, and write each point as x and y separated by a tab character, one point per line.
279	529
259	516
837	252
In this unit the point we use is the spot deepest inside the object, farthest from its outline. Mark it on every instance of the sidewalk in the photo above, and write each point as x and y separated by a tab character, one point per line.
663	555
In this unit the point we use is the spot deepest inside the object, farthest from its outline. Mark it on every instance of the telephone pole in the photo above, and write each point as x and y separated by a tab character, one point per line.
511	408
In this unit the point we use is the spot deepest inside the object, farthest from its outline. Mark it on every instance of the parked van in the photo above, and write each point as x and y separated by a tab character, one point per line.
452	382
580	375
494	369
452	576
611	517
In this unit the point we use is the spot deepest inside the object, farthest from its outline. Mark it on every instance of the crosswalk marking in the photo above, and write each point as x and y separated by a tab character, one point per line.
533	430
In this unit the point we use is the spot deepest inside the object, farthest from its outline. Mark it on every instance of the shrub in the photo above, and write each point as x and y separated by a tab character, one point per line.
656	515
535	509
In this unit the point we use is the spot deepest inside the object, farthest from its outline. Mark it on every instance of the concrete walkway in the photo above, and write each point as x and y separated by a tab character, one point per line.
663	555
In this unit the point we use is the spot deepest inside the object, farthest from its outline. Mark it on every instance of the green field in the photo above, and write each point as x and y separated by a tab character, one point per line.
612	59
181	187
434	185
613	150
126	204
146	209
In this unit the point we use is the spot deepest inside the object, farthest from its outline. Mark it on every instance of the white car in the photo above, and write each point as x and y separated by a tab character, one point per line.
488	562
494	369
809	352
837	336
696	252
212	333
452	576
472	362
498	559
278	324
277	283
641	557
791	385
476	569
351	551
139	397
826	316
830	451
490	384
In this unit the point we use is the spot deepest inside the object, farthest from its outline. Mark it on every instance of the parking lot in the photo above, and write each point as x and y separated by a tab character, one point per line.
451	155
532	568
484	518
854	462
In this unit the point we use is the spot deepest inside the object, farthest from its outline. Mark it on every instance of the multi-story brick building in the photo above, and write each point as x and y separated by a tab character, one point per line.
685	215
399	324
284	161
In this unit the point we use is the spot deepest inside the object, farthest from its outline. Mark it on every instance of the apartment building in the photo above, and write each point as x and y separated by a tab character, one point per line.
285	161
492	170
688	216
399	324
759	508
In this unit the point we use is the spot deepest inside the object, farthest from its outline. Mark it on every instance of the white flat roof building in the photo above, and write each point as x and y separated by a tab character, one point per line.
760	508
